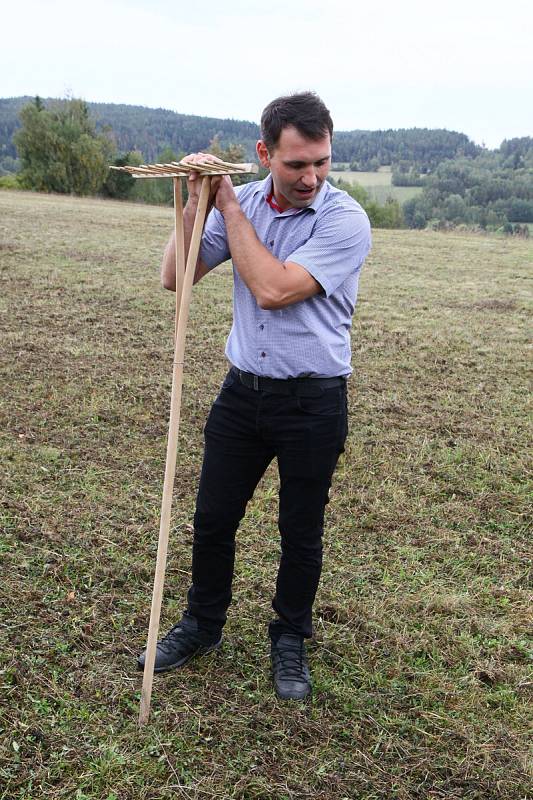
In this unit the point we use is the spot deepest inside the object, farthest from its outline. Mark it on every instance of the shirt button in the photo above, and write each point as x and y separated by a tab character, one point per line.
261	327
263	354
272	243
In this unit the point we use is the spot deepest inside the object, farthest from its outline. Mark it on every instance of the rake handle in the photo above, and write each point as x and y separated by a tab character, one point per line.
170	467
180	248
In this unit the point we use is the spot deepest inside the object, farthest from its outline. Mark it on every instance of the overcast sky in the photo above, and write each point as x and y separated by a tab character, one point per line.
463	65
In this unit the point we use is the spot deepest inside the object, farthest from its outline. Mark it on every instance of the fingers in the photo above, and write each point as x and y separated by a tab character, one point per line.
225	193
215	180
199	158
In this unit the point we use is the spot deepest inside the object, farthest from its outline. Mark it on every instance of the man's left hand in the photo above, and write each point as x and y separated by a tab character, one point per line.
225	197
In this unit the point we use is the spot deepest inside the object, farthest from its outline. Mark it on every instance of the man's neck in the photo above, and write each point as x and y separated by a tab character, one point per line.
278	202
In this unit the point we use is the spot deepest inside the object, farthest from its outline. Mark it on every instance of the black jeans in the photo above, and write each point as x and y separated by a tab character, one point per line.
245	430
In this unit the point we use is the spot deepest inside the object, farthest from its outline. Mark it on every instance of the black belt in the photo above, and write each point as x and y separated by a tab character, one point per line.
303	387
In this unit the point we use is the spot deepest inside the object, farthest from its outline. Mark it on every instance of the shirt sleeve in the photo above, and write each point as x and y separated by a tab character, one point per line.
214	248
337	247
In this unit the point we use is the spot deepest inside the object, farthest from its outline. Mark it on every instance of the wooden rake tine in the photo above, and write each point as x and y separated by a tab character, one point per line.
184	281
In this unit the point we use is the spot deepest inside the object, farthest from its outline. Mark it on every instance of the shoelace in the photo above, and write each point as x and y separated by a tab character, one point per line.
174	633
290	661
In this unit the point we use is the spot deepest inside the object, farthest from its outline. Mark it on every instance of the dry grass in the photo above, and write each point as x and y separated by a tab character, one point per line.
421	659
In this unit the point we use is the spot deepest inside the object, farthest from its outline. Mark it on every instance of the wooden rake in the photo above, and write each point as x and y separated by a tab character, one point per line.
184	281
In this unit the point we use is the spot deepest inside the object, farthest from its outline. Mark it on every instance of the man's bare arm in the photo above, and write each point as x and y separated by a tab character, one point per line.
168	264
274	284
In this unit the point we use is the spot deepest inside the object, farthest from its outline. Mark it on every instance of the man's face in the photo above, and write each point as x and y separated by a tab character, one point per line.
298	166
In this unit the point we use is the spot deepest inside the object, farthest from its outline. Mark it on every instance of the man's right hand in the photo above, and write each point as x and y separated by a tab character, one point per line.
193	182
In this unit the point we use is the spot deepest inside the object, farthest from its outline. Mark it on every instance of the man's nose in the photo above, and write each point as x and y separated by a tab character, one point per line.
309	178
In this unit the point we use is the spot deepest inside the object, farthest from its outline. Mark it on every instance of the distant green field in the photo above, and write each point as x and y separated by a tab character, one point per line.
364	178
400	193
378	185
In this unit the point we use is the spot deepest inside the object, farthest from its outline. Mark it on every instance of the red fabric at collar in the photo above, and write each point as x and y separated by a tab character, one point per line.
272	203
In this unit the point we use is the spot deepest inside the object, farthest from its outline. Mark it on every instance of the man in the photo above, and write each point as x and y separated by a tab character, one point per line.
297	246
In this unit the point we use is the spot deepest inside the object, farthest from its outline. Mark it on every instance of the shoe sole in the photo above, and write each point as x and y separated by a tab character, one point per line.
201	651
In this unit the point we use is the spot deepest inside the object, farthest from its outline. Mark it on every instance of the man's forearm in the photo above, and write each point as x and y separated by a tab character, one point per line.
273	283
168	264
256	266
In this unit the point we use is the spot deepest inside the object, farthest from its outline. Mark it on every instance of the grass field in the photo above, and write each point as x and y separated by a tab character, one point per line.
380	178
378	185
421	657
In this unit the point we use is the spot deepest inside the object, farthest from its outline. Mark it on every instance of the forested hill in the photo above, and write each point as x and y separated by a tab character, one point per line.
421	148
150	130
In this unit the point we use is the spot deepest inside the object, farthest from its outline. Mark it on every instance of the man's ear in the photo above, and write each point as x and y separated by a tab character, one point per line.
262	154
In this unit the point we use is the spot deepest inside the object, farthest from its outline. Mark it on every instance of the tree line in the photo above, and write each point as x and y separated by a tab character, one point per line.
419	148
61	148
493	191
150	130
136	128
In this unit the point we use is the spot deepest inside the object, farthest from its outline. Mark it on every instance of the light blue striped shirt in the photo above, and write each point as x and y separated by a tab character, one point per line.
330	239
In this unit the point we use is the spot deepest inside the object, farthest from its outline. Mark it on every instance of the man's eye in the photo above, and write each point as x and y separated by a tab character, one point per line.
301	165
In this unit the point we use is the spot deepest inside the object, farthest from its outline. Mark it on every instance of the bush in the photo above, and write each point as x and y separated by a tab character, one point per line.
521	230
10	182
9	165
415	213
118	185
60	150
387	216
411	178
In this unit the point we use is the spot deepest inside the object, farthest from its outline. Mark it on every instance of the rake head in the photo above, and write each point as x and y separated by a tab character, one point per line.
181	169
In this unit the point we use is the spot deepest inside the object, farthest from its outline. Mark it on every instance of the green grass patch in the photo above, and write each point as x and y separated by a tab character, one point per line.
366	179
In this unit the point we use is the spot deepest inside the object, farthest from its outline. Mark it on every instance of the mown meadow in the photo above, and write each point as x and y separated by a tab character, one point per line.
378	184
422	657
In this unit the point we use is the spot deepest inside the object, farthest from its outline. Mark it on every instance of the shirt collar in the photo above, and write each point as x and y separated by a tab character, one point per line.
265	187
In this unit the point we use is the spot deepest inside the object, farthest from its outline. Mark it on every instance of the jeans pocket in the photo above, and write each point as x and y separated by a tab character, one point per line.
330	403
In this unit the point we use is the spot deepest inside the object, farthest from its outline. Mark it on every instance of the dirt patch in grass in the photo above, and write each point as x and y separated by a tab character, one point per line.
421	658
491	304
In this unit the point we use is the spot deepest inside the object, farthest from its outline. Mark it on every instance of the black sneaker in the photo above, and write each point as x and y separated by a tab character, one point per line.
290	669
183	642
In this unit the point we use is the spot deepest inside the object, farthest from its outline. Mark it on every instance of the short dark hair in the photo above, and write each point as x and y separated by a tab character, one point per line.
305	111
